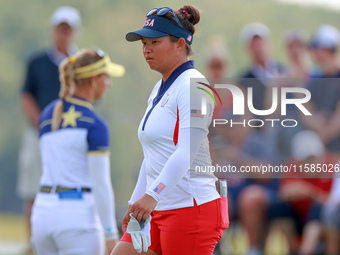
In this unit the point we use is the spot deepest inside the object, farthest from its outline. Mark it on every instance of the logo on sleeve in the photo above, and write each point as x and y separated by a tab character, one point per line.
196	113
159	188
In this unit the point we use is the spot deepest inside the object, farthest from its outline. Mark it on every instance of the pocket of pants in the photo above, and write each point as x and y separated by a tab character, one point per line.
223	215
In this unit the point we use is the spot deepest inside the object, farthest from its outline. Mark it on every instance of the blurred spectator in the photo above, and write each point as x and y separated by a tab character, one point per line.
256	38
331	217
301	197
298	74
41	86
261	192
248	194
325	89
217	58
217	64
296	46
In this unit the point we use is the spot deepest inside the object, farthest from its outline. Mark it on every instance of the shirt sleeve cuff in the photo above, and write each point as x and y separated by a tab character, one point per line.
153	195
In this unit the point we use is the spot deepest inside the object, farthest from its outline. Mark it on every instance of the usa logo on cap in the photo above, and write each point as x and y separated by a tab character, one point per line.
189	38
149	23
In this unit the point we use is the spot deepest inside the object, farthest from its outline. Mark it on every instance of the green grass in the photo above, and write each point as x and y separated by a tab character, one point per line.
12	232
12	227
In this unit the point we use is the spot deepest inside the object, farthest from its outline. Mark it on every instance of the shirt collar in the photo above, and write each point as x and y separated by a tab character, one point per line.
269	71
57	57
79	101
174	75
166	85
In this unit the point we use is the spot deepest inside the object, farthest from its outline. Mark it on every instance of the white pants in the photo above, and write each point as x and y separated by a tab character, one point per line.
66	226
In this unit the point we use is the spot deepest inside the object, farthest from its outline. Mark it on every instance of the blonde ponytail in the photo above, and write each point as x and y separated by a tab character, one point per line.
66	77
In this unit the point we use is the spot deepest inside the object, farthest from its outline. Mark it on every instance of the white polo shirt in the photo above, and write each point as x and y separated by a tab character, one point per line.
65	151
178	108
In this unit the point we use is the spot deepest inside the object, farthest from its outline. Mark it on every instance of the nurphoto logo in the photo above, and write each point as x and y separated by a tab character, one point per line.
243	100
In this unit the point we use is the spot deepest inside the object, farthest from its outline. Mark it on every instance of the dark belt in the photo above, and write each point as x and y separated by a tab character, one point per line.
48	189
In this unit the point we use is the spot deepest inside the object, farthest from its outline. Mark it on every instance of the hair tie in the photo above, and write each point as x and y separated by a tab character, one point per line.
185	12
72	59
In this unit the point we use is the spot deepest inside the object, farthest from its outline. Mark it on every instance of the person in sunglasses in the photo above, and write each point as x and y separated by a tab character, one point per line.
75	204
188	214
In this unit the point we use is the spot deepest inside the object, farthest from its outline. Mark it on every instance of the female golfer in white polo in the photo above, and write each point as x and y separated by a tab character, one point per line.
188	214
75	205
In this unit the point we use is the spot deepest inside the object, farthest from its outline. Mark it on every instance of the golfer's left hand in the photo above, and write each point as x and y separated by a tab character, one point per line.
142	208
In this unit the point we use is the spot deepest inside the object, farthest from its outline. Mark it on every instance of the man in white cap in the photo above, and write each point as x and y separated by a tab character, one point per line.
257	197
325	88
41	86
256	38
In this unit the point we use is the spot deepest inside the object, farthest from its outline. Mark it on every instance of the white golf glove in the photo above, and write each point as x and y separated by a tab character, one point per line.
139	232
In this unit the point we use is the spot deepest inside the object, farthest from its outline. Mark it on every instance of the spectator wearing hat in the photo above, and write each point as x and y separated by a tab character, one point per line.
217	62
325	88
217	58
302	194
263	191
299	75
296	47
41	86
256	38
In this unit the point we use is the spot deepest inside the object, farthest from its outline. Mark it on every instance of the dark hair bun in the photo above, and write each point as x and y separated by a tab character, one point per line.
191	13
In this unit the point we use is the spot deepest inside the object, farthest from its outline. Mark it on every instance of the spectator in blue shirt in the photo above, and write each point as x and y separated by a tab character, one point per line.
325	88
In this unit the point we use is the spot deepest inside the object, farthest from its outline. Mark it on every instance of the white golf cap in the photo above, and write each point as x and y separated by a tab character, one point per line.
305	144
327	37
68	15
254	29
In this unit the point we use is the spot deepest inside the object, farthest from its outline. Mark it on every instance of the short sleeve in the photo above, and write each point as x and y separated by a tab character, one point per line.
311	88
30	79
190	98
98	137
